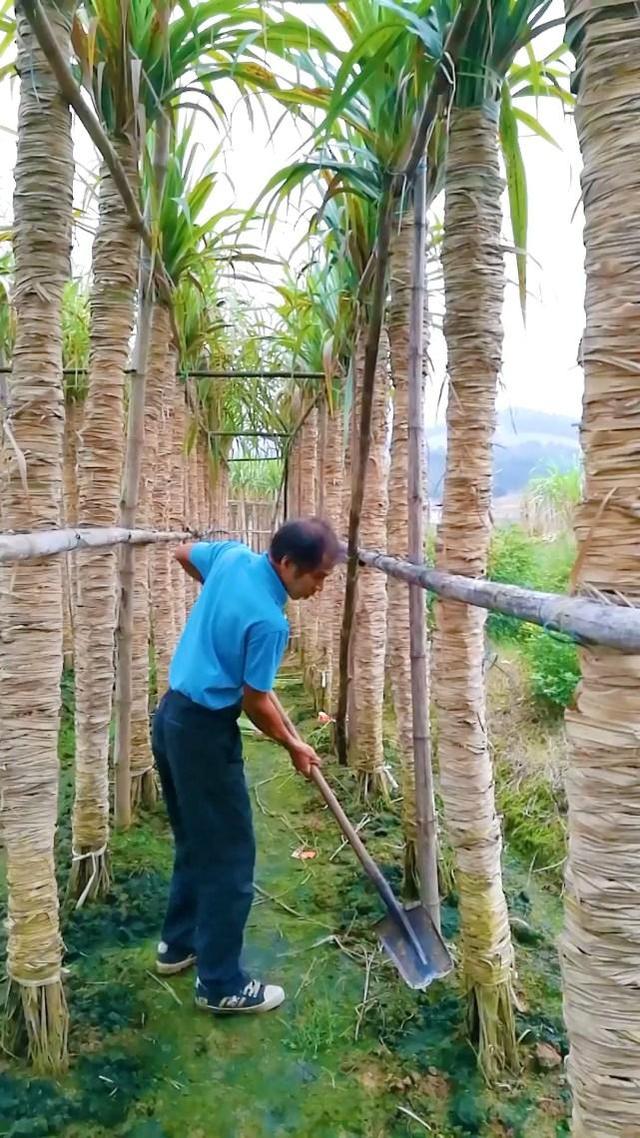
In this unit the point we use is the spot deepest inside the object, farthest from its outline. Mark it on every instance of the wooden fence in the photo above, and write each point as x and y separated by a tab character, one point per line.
252	522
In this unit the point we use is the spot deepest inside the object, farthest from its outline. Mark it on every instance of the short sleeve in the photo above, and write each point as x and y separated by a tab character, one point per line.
265	649
204	554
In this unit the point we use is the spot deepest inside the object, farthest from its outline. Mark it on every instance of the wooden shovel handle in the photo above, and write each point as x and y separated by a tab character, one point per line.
361	851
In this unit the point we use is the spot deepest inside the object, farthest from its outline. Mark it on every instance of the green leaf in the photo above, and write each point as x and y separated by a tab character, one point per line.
516	189
368	70
552	91
426	30
534	125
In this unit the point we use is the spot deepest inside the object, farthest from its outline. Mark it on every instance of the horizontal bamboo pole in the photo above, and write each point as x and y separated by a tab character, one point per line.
587	622
249	435
208	534
48	543
51	543
201	374
254	374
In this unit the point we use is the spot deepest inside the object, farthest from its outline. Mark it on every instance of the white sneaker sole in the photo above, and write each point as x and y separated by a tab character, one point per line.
175	969
267	1006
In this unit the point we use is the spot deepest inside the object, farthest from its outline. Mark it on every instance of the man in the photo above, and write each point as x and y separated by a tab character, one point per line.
227	660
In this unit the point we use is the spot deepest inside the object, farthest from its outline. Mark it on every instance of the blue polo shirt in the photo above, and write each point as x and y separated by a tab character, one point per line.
237	632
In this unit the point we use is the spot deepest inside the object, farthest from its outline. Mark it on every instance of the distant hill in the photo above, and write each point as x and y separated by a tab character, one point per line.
526	443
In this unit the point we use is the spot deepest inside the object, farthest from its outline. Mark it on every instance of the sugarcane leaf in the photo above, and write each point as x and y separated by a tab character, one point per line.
535	125
516	189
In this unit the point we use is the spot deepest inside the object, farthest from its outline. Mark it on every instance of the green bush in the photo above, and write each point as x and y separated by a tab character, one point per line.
553	668
512	561
552	660
554	562
515	558
533	813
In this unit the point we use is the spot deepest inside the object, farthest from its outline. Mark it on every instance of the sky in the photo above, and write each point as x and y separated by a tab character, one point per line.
539	368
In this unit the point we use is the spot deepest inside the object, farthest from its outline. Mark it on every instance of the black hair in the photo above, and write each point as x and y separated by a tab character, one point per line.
307	542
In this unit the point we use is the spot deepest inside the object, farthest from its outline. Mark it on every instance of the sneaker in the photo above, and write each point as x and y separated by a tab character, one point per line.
254	997
170	961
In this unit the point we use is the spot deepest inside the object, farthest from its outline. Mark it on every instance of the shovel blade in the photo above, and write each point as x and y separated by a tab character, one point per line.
401	951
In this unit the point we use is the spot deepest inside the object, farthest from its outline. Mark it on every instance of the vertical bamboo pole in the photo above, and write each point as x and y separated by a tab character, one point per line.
321	603
200	485
70	515
160	580
427	836
285	492
129	504
291	512
142	775
124	631
223	507
347	430
308	506
242	519
320	456
360	469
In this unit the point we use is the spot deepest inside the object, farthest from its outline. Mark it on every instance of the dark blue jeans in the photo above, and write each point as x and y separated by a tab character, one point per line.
198	754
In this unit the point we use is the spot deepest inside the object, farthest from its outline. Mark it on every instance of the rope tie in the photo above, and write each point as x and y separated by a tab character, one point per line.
94	855
56	979
385	771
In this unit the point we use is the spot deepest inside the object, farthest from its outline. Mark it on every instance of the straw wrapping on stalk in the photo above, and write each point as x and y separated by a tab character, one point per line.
600	952
474	281
31	596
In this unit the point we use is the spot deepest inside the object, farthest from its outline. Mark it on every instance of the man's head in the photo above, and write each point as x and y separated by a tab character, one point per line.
303	553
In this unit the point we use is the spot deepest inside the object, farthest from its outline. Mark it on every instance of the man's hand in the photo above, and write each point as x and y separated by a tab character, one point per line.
304	758
268	716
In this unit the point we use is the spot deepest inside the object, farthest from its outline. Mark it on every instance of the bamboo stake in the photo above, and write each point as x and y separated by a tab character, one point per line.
131	487
427	834
124	631
392	185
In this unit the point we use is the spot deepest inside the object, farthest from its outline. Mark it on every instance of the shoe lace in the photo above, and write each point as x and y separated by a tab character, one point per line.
252	989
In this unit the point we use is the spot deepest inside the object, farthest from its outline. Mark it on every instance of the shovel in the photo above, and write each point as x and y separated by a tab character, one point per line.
409	936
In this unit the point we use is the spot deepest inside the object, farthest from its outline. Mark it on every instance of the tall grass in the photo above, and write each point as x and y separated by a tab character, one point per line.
550	500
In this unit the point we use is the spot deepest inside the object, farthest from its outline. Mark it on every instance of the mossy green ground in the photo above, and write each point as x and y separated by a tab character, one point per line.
146	1064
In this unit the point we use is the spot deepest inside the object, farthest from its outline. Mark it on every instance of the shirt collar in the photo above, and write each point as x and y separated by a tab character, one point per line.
274	584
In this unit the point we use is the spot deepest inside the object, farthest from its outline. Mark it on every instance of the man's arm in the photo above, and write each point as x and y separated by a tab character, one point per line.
264	711
281	711
182	555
